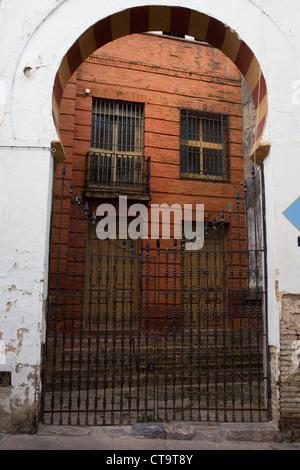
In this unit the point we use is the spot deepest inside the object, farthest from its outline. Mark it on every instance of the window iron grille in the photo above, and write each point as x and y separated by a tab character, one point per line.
204	145
116	160
117	127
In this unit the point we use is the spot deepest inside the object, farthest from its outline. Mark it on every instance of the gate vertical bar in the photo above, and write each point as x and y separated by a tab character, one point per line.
78	200
182	325
130	332
54	358
215	320
256	294
91	270
49	300
122	332
240	308
207	314
199	327
174	325
138	356
86	208
224	317
63	355
147	329
166	335
232	315
266	297
249	331
191	331
115	295
98	321
106	332
157	340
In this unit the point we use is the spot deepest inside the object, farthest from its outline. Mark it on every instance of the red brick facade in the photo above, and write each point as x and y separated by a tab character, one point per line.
166	74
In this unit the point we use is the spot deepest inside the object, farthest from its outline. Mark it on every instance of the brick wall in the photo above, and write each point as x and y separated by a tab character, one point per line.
165	74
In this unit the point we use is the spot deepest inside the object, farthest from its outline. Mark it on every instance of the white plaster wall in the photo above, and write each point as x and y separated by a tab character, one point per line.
24	189
37	34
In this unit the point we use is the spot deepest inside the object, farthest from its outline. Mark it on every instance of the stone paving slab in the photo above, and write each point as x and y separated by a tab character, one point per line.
170	437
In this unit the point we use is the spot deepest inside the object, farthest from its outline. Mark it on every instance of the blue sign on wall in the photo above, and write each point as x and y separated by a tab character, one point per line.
292	213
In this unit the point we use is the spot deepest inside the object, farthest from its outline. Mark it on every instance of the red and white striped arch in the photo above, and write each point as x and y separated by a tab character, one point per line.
178	20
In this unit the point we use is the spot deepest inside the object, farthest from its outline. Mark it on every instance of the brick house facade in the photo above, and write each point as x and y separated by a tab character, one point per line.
200	82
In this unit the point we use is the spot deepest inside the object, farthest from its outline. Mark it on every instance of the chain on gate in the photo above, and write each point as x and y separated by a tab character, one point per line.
153	332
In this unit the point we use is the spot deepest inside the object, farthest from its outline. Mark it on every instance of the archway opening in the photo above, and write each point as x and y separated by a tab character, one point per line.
125	270
178	20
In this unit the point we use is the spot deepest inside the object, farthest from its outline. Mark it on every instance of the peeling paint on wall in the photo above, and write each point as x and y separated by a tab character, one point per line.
2	352
20	336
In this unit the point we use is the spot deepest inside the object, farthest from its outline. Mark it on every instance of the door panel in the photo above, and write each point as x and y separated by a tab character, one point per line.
111	288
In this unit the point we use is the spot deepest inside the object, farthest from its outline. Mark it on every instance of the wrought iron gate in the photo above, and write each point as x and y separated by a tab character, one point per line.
151	331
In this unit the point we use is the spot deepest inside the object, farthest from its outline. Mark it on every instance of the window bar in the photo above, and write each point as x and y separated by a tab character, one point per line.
78	200
207	323
131	300
54	358
93	157
114	121
187	140
224	271
249	332
216	140
98	323
182	324
191	331
98	167
127	174
105	383
137	144
240	308
63	355
90	298
166	336
256	294
82	294
174	324
122	332
129	117
101	117
94	126
232	315
216	321
134	170
222	166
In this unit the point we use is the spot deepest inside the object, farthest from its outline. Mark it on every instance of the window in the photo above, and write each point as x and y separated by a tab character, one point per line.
117	127
117	145
175	35
204	145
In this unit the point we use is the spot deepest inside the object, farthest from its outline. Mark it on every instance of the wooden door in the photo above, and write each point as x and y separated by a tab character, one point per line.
111	284
204	282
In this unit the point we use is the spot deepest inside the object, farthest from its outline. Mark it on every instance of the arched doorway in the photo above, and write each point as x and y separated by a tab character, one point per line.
221	37
178	20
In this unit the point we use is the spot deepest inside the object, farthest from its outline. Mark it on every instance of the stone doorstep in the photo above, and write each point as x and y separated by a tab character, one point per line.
250	432
242	432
